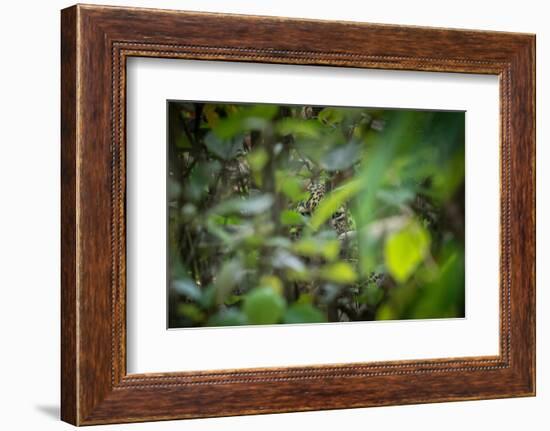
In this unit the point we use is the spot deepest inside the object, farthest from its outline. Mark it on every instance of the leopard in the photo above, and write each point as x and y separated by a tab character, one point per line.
317	190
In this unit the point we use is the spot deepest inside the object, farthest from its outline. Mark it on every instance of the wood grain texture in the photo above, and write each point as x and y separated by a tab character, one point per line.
68	218
96	41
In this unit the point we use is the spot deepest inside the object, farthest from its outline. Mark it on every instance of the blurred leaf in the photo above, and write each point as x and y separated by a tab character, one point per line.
372	295
341	157
272	282
444	295
291	218
232	299
339	272
385	312
257	159
400	137
333	201
216	230
203	175
305	298
245	119
211	115
265	111
290	186
311	247
284	259
192	312
208	298
331	116
264	306
247	206
174	189
278	241
405	250
224	148
227	278
182	141
448	178
188	211
306	247
228	317
303	313
331	249
188	288
329	292
225	220
299	127
396	196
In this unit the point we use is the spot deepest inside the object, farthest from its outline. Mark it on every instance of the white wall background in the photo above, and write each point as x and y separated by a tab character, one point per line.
29	215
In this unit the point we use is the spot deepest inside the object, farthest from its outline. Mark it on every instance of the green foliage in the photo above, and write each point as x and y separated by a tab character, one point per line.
224	148
244	206
251	242
228	317
300	128
291	187
318	246
333	201
341	157
405	250
264	306
227	278
303	313
339	272
291	217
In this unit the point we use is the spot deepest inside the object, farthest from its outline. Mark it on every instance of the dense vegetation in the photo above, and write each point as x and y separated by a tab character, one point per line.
301	214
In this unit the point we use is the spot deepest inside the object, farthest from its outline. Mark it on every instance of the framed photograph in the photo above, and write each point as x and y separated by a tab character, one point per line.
266	215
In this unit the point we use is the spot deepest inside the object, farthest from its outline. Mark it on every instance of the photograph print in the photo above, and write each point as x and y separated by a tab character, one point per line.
286	214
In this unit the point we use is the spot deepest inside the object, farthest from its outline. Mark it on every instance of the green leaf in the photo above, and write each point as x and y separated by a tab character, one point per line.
278	241
312	247
372	295
232	299
272	282
396	196
211	115
201	177
306	247
339	272
192	312
246	207
257	159
298	127
245	119
405	250
227	278
333	201
182	141
331	249
285	260
263	306
291	218
188	288
174	189
228	317
303	313
289	185
208	297
331	116
224	148
265	111
341	157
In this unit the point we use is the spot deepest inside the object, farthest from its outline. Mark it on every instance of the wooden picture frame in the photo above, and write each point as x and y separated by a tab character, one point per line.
95	43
